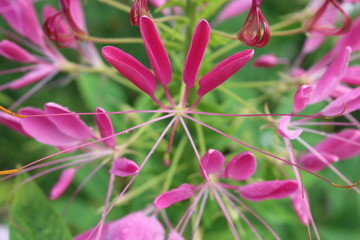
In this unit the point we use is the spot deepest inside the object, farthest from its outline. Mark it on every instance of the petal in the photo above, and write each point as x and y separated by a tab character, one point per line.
74	14
241	167
175	236
233	9
196	53
313	163
72	125
350	99
35	75
131	69
313	42
268	190
223	71
123	167
284	131
300	204
302	97
135	226
212	161
350	38
63	183
166	199
331	77
340	144
14	52
268	61
156	52
43	130
12	122
351	75
105	127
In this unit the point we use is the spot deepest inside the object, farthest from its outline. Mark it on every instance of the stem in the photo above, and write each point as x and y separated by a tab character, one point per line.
223	34
117	5
287	32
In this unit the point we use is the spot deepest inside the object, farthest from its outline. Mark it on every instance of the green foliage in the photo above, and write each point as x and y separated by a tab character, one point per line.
32	215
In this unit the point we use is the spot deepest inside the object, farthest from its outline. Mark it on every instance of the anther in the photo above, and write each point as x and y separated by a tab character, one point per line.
11	171
11	113
347	187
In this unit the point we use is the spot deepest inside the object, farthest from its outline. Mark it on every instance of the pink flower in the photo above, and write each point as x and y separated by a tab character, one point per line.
135	226
338	146
323	12
141	77
269	60
255	23
61	25
239	168
138	9
63	183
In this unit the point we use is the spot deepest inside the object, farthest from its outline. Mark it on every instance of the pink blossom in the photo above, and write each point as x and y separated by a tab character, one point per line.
63	183
284	131
255	23
141	77
268	61
338	146
138	9
135	226
240	168
124	167
233	8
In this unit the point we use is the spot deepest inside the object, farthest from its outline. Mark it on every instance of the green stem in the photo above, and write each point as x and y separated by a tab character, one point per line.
225	35
223	50
174	165
117	5
257	84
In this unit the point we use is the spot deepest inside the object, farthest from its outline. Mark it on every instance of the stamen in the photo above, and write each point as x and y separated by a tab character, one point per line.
337	115
11	113
11	171
347	187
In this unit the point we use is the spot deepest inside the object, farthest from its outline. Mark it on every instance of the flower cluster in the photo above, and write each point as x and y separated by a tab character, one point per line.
161	167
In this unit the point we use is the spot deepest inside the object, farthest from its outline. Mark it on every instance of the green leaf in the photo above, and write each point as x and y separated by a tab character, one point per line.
32	216
100	92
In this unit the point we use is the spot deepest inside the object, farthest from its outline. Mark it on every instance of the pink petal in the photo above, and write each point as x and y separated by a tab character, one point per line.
331	77
352	75
63	183
350	38
43	130
350	101
135	226
301	206
302	97
284	131
268	61
156	52
313	163
166	199
312	42
72	125
12	122
14	52
212	161
175	236
196	52
131	69
105	127
123	167
35	75
241	167
268	190
157	3
333	149
233	9
223	71
74	14
21	16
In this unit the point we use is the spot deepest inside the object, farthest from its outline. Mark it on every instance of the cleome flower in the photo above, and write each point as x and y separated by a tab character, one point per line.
59	127
240	168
